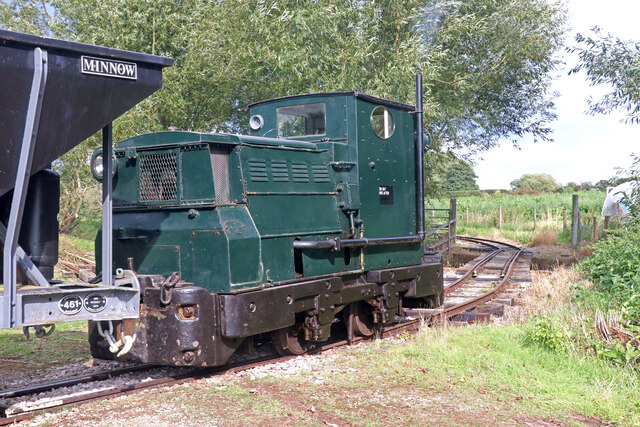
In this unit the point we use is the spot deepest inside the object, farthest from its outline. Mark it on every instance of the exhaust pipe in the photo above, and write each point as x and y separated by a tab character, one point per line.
419	160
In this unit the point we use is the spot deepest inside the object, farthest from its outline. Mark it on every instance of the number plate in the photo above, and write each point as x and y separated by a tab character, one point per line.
95	303
71	304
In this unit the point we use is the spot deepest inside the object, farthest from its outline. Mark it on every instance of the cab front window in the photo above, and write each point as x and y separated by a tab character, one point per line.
301	120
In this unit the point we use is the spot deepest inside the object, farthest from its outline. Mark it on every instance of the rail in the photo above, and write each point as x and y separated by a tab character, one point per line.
415	318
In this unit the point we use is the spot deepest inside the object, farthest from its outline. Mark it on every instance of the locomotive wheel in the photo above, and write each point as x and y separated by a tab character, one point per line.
290	341
362	318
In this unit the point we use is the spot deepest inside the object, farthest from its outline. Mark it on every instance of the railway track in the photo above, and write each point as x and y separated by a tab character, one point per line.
482	280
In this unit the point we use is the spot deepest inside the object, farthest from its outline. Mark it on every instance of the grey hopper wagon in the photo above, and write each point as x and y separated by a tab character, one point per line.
55	94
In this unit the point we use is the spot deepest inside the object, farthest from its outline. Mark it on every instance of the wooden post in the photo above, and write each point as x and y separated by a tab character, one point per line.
564	221
575	222
466	221
535	219
500	217
595	227
607	221
453	214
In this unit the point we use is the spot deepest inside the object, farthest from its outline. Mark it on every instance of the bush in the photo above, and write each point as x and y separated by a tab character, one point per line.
615	267
548	332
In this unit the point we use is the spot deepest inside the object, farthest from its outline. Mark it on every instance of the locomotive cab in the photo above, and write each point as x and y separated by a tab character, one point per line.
310	218
371	143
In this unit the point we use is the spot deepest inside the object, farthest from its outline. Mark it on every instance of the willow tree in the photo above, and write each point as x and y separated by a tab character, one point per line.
614	63
487	64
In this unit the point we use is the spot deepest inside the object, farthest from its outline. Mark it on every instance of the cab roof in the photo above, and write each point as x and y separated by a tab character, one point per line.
353	93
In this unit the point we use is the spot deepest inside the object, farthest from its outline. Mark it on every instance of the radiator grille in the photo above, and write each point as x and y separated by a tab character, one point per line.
279	171
258	170
158	177
220	165
320	173
300	172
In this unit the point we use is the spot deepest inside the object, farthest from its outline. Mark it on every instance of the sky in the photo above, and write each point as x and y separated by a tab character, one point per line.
585	148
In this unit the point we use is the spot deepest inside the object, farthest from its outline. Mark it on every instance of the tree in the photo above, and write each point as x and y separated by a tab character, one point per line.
492	64
460	176
537	181
615	62
487	65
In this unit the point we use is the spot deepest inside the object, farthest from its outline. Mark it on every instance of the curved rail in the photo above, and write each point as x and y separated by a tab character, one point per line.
479	264
441	314
410	324
487	242
467	305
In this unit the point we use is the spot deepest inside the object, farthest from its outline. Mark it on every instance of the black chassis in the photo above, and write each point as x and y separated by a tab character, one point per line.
198	328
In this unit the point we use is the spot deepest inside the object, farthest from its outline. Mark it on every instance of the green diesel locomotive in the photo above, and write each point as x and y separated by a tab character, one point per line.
315	218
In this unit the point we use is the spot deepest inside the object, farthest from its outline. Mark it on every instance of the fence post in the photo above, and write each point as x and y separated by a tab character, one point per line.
535	219
453	214
607	221
575	222
595	227
564	221
500	217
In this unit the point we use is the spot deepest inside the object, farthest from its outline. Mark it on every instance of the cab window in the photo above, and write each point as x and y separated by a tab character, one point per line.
301	120
382	122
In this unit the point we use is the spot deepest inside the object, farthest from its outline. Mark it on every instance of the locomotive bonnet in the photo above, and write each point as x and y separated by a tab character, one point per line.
315	218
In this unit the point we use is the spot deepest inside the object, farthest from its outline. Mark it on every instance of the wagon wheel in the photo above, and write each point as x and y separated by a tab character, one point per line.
290	340
362	318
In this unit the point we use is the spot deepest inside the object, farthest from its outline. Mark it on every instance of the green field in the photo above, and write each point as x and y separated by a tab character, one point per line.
479	214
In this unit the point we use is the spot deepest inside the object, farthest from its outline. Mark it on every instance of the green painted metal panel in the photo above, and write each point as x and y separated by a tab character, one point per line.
245	266
236	184
177	137
197	176
277	258
158	259
125	182
285	171
320	262
387	186
294	215
279	190
210	260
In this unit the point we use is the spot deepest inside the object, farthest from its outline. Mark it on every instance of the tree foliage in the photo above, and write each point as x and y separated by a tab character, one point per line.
537	181
460	176
487	65
492	65
615	62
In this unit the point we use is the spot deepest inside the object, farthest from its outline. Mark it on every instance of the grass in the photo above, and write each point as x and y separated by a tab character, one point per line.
476	375
480	365
86	227
454	376
67	344
76	245
517	213
496	361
